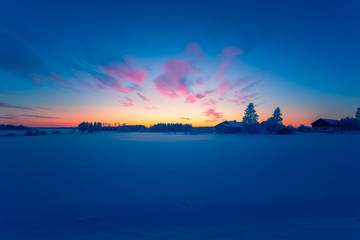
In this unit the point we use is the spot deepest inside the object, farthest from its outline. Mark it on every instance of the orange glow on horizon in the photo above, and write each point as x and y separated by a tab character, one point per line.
72	120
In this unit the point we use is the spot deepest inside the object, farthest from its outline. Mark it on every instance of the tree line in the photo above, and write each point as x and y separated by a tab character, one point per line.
86	126
12	127
275	122
159	127
351	123
171	127
250	124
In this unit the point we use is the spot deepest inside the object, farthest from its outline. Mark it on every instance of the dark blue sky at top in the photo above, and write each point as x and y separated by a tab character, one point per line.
292	35
314	44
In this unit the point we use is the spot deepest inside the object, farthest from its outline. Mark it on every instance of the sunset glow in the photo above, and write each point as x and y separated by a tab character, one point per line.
66	70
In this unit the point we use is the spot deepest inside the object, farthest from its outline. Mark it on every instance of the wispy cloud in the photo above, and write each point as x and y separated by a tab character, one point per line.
105	81
145	99
39	116
228	53
226	86
194	49
212	114
8	117
7	105
248	87
150	108
209	103
197	97
128	102
245	98
53	77
44	108
122	71
18	59
176	80
89	86
110	80
185	118
245	94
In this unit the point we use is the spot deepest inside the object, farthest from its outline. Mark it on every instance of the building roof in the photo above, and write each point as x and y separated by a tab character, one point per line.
285	129
330	121
232	124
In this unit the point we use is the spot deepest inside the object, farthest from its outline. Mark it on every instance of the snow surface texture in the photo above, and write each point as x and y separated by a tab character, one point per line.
171	186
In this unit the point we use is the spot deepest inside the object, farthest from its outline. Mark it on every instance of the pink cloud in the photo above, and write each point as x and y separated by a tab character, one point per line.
209	103
245	94
241	99
174	82
248	87
89	86
145	99
194	49
228	53
190	99
7	105
213	114
196	97
53	77
211	120
226	86
128	102
185	118
109	82
151	108
122	71
220	77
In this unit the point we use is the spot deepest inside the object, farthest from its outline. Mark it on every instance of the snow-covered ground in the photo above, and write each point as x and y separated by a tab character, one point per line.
114	185
47	130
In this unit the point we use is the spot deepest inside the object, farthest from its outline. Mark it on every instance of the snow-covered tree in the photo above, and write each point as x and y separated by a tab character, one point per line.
271	125
84	126
357	115
350	123
99	127
250	119
274	123
277	116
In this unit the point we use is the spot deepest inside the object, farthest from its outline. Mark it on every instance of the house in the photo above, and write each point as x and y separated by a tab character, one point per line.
284	131
322	125
228	127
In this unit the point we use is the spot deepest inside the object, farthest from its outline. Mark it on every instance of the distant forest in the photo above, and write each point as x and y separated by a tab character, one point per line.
160	127
249	122
13	127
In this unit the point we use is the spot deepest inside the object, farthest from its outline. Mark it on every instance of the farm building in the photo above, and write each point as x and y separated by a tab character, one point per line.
322	125
284	131
228	127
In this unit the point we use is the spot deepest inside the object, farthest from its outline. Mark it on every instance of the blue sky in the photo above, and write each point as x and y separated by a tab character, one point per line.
193	61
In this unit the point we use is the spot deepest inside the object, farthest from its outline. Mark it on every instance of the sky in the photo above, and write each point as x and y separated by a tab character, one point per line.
197	62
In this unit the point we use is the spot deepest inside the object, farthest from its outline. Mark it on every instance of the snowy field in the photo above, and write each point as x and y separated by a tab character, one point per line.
114	185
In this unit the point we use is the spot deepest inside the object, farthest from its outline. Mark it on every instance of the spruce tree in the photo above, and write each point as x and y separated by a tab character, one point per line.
357	115
278	116
250	119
